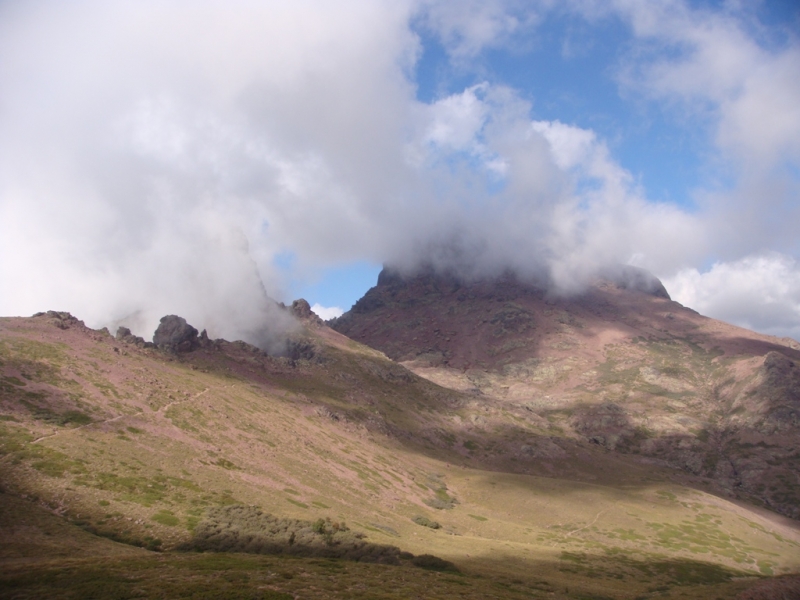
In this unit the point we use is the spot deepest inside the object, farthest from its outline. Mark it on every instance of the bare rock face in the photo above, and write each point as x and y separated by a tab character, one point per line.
636	279
175	334
302	310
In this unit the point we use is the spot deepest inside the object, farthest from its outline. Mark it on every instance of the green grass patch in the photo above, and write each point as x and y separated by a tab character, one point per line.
166	517
133	488
52	462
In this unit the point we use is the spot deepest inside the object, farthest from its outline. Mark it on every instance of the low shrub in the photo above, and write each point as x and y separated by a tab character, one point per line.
426	522
240	528
441	500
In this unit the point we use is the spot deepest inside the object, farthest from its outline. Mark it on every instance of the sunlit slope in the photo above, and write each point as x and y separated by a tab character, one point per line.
134	444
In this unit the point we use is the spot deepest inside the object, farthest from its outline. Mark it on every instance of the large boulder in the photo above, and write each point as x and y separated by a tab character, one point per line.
176	335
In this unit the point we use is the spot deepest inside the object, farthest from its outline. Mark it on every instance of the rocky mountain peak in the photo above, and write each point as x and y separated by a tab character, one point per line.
619	365
491	322
301	309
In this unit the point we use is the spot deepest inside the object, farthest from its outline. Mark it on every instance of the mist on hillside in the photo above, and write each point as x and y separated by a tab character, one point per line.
215	283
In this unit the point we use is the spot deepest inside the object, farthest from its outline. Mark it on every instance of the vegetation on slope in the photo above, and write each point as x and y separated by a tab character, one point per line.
170	440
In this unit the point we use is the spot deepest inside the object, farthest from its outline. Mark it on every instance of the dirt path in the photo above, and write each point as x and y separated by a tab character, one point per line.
574	531
119	417
174	402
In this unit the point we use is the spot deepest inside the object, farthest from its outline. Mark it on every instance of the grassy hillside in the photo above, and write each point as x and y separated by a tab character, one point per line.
114	455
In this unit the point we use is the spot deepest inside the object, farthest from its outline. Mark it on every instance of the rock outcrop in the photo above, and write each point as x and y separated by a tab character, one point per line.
302	310
125	336
60	319
176	335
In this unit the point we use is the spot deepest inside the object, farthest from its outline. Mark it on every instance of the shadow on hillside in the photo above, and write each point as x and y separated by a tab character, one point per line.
610	576
753	347
240	528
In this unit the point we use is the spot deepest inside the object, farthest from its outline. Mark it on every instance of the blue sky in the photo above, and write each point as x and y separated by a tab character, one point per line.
213	150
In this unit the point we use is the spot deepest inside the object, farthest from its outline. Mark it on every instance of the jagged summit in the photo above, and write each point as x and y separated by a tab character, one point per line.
624	276
442	319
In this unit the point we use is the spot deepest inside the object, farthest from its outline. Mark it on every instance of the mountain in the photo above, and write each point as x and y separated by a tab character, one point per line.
118	457
619	365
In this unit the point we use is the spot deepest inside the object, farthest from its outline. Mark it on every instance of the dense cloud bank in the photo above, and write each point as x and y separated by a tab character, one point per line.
164	157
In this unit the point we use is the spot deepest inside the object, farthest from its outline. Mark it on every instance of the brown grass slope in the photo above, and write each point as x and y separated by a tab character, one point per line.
104	440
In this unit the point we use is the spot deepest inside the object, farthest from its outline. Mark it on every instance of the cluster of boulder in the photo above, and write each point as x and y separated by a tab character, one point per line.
125	336
175	335
60	319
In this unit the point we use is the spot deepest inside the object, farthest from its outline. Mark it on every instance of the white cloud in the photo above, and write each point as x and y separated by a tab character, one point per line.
294	133
569	145
752	90
457	120
327	312
760	292
712	67
124	170
166	172
468	27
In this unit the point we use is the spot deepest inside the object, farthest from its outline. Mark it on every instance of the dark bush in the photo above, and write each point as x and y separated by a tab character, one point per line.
433	563
426	522
239	528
